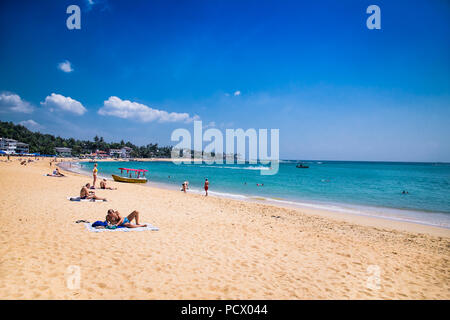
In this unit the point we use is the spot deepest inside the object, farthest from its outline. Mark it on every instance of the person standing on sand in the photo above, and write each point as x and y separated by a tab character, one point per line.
206	186
94	175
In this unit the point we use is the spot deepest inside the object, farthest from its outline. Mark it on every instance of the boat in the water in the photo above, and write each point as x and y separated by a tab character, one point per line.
131	175
301	165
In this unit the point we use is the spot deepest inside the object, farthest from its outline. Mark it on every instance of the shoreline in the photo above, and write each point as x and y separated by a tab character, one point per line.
324	210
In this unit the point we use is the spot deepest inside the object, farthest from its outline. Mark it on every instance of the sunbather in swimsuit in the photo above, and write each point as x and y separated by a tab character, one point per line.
114	218
103	185
86	194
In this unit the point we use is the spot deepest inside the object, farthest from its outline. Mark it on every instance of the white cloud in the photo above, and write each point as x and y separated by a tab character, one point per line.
13	102
237	93
126	109
90	3
65	66
31	124
59	102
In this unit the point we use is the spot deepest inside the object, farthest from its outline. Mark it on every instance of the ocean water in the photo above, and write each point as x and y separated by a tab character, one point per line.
364	188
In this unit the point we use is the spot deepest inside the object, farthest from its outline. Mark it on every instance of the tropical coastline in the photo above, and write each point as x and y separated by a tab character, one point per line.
206	248
227	185
178	150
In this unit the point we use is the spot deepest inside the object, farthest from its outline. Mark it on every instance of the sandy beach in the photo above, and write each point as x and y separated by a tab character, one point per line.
206	248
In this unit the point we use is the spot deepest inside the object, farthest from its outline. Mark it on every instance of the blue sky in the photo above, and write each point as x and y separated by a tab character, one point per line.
335	89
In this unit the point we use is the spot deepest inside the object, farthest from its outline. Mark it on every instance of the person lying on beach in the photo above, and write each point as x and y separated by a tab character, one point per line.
56	173
86	194
113	218
103	185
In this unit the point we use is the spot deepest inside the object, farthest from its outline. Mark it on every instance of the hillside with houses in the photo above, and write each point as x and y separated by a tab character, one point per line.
16	139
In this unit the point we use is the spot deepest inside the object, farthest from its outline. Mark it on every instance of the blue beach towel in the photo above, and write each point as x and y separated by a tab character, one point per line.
99	224
91	227
103	224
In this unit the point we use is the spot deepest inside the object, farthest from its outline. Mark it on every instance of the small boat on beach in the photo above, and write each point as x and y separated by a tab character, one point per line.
301	165
130	177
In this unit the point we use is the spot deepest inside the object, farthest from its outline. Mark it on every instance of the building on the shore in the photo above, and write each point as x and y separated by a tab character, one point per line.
11	146
100	154
115	153
124	152
63	152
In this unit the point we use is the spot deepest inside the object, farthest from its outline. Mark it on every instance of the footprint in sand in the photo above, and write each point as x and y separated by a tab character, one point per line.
102	285
148	290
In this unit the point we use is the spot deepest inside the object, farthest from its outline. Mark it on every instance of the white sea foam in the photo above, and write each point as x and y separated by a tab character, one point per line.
425	218
236	168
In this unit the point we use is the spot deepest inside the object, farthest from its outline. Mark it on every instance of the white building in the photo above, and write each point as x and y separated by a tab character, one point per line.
63	152
115	153
11	146
125	152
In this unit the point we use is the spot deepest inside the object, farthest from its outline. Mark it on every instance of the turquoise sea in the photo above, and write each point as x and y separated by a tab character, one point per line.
364	188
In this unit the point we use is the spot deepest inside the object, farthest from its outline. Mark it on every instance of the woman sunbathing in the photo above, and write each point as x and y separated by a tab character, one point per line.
114	218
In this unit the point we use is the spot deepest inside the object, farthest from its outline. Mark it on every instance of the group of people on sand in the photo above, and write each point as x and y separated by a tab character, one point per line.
113	217
102	182
86	191
185	186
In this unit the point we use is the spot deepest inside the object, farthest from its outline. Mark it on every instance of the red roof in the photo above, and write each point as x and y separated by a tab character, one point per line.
137	170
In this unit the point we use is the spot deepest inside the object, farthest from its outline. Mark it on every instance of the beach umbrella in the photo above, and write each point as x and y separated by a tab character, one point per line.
2	152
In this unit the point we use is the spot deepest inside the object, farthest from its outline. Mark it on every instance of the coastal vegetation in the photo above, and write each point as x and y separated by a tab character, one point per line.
46	143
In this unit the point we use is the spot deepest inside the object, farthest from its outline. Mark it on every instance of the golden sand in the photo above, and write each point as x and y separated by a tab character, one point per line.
206	248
